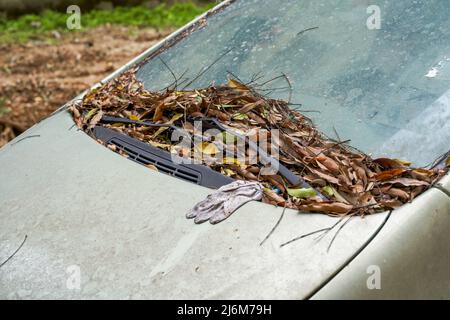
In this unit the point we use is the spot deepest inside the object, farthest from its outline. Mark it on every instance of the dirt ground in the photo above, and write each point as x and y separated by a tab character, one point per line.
37	78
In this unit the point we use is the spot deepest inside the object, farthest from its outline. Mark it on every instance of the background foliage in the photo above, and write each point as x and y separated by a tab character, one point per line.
29	26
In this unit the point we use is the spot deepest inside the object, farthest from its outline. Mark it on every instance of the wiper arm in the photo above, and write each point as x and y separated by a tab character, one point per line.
109	119
265	158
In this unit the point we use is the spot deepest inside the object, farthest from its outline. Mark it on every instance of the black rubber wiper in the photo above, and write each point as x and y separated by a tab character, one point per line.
266	159
146	154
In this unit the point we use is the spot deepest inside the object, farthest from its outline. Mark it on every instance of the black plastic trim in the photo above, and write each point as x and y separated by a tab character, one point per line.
145	154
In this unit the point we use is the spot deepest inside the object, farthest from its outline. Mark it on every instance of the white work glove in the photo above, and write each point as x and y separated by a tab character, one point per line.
221	204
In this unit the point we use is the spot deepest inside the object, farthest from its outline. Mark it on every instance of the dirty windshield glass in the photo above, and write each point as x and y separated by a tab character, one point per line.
375	72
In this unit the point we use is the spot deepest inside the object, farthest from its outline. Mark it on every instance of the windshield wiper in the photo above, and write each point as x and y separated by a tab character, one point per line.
265	158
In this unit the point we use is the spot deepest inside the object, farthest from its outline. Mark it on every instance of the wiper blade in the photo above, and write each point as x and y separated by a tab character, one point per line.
146	154
266	159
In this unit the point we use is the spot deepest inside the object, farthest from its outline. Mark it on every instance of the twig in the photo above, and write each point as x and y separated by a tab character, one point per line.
170	70
331	147
290	87
337	134
234	76
181	77
439	160
27	137
302	236
268	81
184	110
255	78
306	30
273	89
207	68
275	226
303	111
320	237
311	111
311	233
17	250
337	232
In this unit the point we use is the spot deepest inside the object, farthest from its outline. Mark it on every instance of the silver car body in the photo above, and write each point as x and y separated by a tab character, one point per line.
97	225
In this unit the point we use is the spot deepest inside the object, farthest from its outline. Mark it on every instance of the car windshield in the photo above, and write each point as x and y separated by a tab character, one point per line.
375	72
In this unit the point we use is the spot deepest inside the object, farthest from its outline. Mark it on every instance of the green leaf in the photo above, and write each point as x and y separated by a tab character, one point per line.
240	116
171	121
90	114
329	191
303	193
133	117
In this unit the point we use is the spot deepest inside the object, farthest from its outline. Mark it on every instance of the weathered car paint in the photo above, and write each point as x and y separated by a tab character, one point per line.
123	227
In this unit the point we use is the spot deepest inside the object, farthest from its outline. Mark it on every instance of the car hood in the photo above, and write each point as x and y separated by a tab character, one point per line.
91	215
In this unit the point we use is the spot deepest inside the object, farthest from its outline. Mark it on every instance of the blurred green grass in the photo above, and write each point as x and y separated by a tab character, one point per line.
32	26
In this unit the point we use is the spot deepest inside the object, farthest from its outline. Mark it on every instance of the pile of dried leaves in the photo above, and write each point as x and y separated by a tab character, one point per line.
353	183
